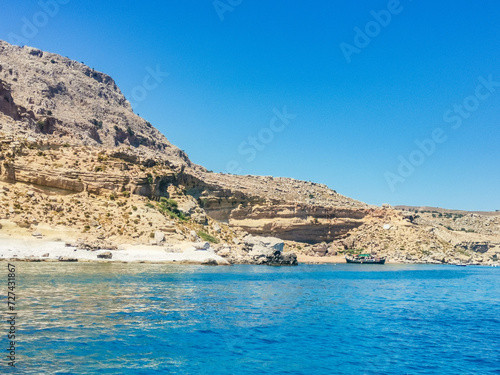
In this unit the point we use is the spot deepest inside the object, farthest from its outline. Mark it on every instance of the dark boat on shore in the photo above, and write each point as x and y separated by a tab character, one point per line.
364	259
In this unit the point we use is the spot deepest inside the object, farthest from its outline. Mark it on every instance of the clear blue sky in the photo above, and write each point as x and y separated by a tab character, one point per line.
356	122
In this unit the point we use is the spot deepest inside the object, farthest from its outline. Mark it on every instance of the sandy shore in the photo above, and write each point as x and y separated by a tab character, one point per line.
320	260
307	259
32	249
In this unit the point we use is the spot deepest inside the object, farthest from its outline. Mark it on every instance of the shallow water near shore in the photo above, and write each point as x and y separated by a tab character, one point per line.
323	319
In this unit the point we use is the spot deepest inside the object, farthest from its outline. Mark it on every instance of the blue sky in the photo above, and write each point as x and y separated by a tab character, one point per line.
362	84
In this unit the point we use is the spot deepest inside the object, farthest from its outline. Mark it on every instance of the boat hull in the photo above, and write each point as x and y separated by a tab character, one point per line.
365	261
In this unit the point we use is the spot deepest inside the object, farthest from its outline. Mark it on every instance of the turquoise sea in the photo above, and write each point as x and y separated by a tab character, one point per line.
311	319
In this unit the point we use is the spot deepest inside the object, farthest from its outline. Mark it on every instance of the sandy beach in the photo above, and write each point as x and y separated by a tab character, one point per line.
32	249
320	260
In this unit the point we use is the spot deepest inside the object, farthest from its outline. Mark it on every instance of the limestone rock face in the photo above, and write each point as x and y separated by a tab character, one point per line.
271	243
320	249
202	245
159	237
477	247
268	250
297	222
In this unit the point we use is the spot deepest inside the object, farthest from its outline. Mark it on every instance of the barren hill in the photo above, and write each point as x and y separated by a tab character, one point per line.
53	98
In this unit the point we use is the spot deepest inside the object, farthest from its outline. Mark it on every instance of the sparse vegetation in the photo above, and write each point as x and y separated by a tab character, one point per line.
97	124
168	207
42	124
207	237
353	251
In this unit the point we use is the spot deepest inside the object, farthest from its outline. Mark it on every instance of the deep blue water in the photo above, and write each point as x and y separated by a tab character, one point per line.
310	319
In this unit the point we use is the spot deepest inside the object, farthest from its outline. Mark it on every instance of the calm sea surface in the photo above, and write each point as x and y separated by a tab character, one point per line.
310	319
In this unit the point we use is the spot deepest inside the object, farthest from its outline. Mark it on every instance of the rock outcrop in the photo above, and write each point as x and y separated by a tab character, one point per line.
297	222
259	250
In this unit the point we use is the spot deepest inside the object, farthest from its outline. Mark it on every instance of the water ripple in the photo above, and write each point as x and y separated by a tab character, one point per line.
148	319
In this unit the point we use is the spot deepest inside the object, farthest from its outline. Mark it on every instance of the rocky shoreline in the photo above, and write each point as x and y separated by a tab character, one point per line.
33	250
261	251
256	251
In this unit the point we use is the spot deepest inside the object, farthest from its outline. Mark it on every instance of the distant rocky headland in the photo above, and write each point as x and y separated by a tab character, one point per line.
78	166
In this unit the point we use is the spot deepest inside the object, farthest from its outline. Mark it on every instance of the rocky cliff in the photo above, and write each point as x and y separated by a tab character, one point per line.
74	157
53	98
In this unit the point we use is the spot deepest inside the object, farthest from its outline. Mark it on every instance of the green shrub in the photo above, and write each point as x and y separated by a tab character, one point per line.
353	251
169	207
206	237
150	178
169	203
97	124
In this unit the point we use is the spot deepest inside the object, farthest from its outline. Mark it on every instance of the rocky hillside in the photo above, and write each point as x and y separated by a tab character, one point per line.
53	98
75	159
